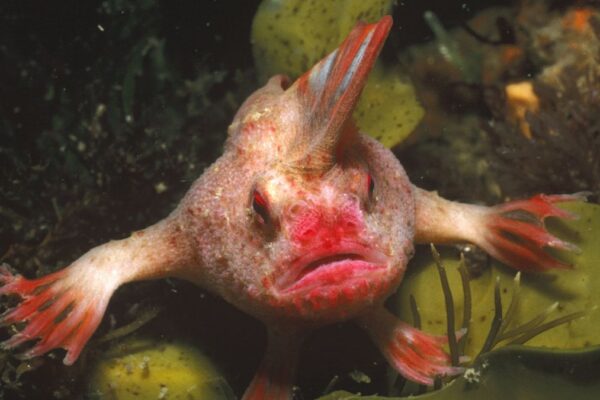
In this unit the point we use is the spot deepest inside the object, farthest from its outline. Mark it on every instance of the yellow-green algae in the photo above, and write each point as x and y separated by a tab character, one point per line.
516	372
388	109
575	290
149	369
290	36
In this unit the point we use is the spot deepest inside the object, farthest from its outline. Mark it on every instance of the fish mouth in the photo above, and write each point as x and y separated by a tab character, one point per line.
338	266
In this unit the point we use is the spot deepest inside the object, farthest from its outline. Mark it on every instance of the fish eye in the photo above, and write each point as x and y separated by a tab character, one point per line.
370	185
260	207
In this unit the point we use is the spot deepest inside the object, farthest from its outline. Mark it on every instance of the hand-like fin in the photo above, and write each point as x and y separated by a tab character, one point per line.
522	243
60	310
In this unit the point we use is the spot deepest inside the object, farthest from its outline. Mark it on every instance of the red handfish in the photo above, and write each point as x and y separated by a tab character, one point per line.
303	221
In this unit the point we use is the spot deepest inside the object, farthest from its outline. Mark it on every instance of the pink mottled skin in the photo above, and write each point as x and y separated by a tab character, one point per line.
303	221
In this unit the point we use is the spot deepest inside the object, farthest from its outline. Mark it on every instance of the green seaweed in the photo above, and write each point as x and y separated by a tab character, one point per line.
291	36
141	368
517	372
449	303
449	49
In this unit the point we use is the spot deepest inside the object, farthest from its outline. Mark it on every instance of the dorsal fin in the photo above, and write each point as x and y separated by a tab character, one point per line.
329	91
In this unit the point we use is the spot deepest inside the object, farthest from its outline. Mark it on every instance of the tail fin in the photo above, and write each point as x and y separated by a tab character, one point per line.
275	376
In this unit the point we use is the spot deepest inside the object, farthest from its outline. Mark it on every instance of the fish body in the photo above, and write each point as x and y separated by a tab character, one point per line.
303	221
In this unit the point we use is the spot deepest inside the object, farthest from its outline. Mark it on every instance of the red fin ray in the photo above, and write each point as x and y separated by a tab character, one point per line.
329	91
542	205
521	243
416	355
275	376
60	311
332	87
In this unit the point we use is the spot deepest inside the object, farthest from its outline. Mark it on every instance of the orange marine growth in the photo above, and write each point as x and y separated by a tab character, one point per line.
303	221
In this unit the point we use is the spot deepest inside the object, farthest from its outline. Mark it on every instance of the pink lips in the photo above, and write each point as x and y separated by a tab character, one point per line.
331	266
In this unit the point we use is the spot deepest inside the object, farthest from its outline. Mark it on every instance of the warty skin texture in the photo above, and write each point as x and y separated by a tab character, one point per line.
303	221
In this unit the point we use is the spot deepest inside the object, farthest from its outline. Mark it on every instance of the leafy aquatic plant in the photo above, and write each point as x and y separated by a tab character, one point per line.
517	372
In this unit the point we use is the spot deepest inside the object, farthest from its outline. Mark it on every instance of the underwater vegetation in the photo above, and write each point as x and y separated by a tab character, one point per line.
520	87
515	372
131	130
145	369
561	147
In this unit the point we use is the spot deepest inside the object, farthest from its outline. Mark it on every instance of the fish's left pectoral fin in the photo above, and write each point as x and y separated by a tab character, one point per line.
416	355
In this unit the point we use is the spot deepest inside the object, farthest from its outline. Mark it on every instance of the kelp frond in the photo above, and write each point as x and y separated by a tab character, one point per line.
521	334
